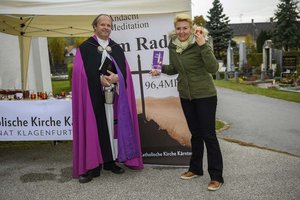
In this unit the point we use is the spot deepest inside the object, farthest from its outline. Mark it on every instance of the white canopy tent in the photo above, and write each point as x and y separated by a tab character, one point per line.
69	18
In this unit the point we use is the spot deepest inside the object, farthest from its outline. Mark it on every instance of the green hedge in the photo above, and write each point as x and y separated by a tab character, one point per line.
255	59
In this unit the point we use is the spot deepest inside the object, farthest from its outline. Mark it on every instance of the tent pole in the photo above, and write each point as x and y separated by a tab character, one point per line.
24	43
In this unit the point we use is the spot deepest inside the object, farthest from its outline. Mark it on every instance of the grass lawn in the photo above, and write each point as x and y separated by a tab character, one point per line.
59	86
219	125
250	89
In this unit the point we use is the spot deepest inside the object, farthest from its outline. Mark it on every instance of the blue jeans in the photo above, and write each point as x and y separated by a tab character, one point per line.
200	115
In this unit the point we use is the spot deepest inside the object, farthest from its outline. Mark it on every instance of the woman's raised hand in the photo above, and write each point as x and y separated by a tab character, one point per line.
200	36
154	72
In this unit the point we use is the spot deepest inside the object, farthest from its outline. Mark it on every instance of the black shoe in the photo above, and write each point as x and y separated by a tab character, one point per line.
113	168
87	177
96	171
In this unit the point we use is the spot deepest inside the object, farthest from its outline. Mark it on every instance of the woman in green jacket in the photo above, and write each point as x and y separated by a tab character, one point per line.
193	60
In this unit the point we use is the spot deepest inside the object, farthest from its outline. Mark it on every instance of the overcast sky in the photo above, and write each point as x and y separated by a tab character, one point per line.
239	11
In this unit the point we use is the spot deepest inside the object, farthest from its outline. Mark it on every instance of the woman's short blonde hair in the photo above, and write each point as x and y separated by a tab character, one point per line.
182	17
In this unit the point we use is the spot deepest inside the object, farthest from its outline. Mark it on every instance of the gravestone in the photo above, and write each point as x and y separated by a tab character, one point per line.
230	61
267	55
289	63
242	55
277	55
267	59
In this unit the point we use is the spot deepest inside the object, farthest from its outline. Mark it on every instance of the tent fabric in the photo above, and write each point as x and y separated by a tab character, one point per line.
46	26
70	18
92	7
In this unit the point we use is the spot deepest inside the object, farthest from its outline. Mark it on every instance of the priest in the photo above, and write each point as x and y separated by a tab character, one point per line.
105	134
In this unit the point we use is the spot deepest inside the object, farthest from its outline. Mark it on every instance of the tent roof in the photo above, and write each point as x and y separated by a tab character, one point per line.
46	26
66	18
92	7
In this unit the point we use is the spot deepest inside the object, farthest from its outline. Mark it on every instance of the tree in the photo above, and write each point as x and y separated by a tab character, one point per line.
79	40
57	55
199	21
287	27
248	41
261	38
57	49
218	26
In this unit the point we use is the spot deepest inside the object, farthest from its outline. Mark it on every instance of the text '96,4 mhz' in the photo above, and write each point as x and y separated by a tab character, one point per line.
160	84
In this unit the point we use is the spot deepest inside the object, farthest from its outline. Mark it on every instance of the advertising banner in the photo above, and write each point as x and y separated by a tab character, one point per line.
164	133
35	120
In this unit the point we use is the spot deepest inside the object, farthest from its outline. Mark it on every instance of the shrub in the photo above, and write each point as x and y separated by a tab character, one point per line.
255	59
70	69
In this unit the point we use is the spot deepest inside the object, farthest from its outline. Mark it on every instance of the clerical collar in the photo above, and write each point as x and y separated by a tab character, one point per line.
103	43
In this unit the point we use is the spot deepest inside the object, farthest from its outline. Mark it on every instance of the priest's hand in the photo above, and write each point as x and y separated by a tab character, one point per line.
113	77
105	80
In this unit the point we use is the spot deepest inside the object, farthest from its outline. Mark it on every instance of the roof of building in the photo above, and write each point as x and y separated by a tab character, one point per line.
251	28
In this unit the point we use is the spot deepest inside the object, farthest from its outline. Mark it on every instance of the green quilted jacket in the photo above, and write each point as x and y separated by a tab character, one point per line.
194	67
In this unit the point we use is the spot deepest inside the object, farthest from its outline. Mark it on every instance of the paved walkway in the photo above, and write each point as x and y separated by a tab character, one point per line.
44	171
260	120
